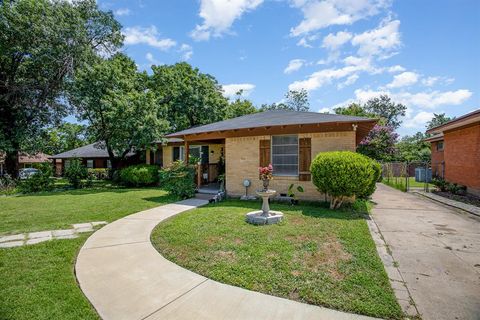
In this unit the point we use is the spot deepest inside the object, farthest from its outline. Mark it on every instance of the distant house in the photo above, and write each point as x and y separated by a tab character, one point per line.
26	160
289	140
456	151
93	156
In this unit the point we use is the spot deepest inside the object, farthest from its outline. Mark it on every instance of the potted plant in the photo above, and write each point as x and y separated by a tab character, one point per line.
266	175
292	195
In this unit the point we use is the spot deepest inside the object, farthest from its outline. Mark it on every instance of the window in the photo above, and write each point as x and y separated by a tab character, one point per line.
178	153
109	164
439	145
90	164
285	155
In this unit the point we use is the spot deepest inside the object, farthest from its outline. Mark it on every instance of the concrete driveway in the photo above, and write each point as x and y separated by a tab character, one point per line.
437	250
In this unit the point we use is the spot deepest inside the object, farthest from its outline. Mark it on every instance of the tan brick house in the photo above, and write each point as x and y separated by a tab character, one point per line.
456	151
289	140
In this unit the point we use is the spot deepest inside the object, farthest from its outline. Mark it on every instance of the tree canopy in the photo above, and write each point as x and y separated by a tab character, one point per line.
413	147
122	113
190	97
42	44
294	101
239	107
437	120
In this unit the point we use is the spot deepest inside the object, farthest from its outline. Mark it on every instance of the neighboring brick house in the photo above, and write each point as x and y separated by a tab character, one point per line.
93	156
26	160
287	139
456	151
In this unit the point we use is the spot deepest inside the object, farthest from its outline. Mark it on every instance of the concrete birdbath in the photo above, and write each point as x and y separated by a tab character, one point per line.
264	216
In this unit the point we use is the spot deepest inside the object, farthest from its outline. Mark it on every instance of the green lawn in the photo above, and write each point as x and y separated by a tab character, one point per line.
57	210
400	183
316	255
38	281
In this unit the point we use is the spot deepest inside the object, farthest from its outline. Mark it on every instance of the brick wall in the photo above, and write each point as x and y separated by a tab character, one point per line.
242	161
462	157
437	160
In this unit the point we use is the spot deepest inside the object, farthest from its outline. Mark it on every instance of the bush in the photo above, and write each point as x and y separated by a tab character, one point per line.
99	174
178	180
139	175
8	186
41	181
75	172
456	188
440	183
377	172
342	175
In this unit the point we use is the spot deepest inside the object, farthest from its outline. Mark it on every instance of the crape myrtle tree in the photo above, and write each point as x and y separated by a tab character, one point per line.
379	144
42	44
190	98
122	112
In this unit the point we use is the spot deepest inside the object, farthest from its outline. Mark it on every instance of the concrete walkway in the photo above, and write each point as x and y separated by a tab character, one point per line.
437	250
124	277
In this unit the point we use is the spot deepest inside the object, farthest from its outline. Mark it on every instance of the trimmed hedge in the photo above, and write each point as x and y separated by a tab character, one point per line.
343	174
179	180
139	175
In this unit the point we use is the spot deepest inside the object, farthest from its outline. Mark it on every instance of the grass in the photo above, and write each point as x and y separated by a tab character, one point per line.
316	255
57	210
400	183
38	281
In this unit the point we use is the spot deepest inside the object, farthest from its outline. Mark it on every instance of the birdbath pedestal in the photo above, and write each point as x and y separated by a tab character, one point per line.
264	216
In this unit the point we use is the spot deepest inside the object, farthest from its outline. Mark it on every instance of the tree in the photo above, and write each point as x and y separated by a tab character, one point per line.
294	101
411	148
66	136
297	100
353	109
190	97
387	110
438	120
240	107
42	44
379	144
122	113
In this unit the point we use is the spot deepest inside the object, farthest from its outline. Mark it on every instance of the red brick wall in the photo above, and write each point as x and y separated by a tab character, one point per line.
437	160
462	157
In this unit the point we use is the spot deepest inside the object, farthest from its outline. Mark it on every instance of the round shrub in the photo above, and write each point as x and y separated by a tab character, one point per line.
139	175
75	172
377	172
341	175
178	180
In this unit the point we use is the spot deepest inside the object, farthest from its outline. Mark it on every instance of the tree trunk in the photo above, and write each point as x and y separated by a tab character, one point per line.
11	163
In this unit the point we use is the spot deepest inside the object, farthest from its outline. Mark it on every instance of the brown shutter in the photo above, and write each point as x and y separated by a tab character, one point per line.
264	153
305	158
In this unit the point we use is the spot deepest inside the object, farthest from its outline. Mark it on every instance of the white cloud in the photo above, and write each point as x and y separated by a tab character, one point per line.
350	80
326	76
230	90
186	51
306	40
325	110
428	100
335	41
219	15
381	41
318	14
149	56
396	68
294	65
403	79
431	81
149	36
419	120
122	12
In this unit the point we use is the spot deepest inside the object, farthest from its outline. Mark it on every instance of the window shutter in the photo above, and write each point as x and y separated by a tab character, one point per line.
305	158
264	153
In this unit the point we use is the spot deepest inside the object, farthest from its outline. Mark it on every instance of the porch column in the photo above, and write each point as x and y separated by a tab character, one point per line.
187	151
147	156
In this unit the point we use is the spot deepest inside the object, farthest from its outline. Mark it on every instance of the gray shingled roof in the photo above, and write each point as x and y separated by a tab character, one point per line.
94	150
271	118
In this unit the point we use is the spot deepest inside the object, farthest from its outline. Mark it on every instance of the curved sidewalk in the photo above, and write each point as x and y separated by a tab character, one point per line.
124	277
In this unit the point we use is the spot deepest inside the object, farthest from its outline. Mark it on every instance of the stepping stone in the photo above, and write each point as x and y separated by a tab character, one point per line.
67	236
38	240
41	234
11	244
62	233
13	237
85	229
82	225
98	223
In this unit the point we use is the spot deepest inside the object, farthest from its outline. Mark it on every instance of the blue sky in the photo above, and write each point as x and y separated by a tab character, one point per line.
423	53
